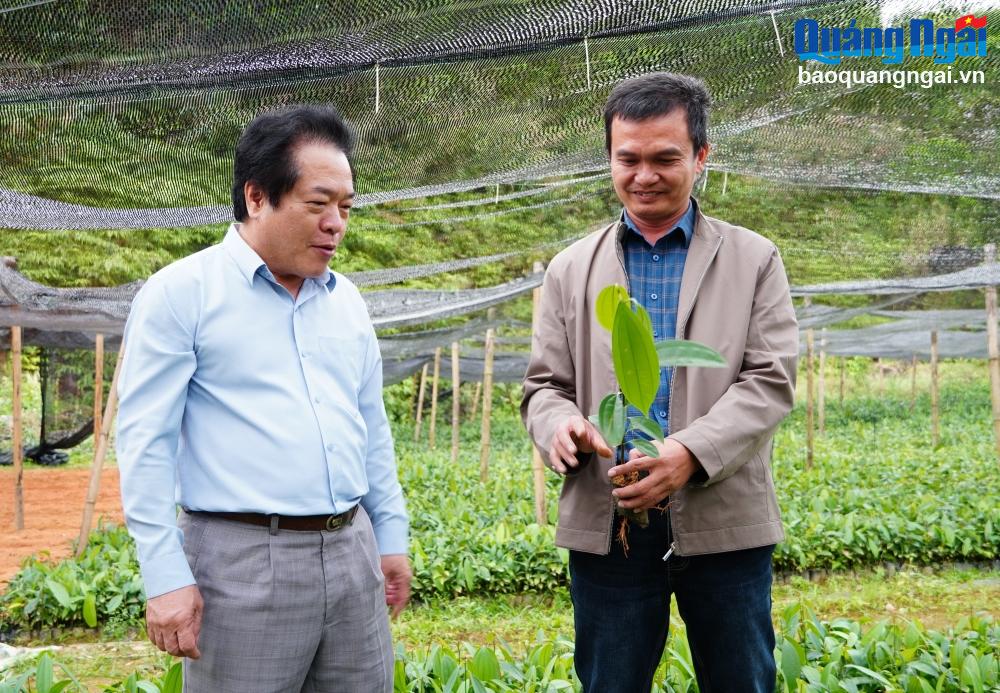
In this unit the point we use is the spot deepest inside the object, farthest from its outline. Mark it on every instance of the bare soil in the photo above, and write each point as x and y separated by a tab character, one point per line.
53	510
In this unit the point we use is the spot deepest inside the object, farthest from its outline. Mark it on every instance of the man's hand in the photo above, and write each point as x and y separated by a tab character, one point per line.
396	569
173	621
667	473
573	435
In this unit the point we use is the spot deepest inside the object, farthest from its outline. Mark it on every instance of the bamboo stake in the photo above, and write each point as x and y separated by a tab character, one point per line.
913	383
484	451
822	382
98	383
934	389
420	403
990	252
456	403
809	398
537	466
475	400
431	438
100	451
16	433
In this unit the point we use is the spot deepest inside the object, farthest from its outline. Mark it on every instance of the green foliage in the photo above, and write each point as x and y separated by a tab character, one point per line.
102	586
634	355
41	678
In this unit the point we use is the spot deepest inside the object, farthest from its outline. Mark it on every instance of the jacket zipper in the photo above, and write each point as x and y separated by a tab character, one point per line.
670	551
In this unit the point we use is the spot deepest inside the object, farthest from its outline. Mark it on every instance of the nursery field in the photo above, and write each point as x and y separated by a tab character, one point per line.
888	579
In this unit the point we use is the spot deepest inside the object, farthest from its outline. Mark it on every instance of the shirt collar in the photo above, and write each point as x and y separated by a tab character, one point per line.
685	223
250	264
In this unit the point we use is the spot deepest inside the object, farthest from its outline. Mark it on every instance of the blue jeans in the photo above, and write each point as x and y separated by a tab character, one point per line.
621	608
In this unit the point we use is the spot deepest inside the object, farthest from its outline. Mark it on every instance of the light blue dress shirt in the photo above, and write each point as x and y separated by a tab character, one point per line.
247	400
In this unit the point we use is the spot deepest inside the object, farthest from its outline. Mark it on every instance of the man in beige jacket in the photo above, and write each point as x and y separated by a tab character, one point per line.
701	279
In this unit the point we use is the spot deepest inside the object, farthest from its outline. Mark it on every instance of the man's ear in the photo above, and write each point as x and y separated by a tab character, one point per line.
256	198
700	158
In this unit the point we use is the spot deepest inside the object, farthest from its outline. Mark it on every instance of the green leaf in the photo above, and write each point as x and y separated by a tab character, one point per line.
147	687
874	675
90	610
970	674
59	592
684	352
484	665
61	686
637	366
791	665
648	426
43	674
644	318
173	682
607	304
611	420
645	447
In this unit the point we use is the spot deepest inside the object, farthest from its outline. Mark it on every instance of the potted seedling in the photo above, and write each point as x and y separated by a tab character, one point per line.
637	361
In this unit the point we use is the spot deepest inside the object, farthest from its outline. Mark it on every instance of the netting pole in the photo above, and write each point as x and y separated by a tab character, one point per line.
881	376
934	388
420	403
586	55
475	400
822	382
100	452
809	398
484	451
913	383
537	466
496	198
98	383
378	87
456	403
774	23
989	255
431	429
16	434
725	182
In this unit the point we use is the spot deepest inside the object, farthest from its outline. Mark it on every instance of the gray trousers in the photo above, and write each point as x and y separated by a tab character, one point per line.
289	612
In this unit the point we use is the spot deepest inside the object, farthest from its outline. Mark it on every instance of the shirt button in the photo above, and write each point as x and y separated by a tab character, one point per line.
655	333
652	297
305	354
330	447
656	258
663	414
316	400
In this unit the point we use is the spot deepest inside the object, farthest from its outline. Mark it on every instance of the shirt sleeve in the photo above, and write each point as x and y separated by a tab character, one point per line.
158	363
384	501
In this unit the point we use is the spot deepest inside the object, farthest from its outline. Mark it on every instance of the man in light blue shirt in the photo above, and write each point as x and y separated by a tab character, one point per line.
252	384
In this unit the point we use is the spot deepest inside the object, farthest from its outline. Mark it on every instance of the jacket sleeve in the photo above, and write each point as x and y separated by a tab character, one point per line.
550	381
740	422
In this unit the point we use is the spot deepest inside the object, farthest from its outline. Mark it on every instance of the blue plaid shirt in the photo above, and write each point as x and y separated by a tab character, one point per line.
654	274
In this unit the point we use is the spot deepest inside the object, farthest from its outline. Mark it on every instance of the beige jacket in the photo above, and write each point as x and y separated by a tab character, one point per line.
734	297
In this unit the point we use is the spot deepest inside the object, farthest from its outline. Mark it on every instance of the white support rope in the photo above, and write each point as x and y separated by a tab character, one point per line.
378	87
777	35
586	53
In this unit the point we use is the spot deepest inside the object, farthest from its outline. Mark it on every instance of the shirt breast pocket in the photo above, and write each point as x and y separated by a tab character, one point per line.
343	359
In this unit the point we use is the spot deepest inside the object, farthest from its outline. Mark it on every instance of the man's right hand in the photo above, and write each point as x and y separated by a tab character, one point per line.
173	621
574	435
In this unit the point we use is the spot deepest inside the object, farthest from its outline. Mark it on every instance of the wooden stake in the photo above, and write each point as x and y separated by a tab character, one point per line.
431	438
456	403
537	465
809	398
881	376
98	383
934	389
990	253
100	451
16	433
484	451
913	383
822	382
420	403
475	400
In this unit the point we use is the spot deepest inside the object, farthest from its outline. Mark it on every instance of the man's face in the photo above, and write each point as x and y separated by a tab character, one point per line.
654	166
297	238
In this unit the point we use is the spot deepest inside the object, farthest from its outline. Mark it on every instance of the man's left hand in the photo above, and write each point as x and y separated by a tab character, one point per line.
396	569
666	473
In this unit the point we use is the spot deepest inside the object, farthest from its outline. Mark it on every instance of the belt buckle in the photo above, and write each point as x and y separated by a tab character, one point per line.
335	522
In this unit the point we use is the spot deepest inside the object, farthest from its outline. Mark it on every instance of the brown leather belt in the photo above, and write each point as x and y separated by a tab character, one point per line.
299	523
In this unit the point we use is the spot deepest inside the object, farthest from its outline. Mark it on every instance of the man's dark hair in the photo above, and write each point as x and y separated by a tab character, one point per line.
265	151
656	94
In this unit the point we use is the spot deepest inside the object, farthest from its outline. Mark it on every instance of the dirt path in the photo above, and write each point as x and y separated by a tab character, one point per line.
53	509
